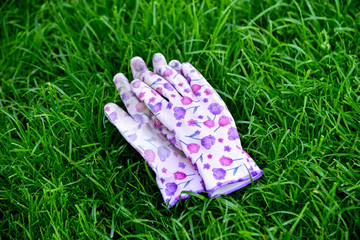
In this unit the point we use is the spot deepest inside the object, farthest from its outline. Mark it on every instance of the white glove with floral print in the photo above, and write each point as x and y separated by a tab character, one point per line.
197	120
174	172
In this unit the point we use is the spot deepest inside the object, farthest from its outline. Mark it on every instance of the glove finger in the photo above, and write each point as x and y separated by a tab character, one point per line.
175	64
132	103
198	83
172	76
154	101
119	118
138	67
155	81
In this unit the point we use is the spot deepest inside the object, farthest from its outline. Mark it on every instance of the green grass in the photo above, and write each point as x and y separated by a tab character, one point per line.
288	71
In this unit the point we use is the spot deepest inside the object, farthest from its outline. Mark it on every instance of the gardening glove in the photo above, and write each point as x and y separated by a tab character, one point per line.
174	172
190	108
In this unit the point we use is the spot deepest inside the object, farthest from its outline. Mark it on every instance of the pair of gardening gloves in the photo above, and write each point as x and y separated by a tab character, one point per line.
182	128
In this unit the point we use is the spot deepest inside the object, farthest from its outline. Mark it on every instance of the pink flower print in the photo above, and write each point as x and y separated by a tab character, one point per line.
164	170
151	100
157	123
186	100
208	141
107	108
179	175
193	148
163	153
179	113
170	189
210	156
149	155
139	107
232	134
141	95
225	161
224	121
219	173
208	91
159	90
180	84
191	122
113	116
227	148
167	73
196	88
220	140
209	123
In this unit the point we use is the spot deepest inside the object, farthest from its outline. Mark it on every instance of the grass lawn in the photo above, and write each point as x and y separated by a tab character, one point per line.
288	71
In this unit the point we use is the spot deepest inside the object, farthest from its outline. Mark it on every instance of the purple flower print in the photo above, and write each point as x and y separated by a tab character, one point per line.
162	180
163	153
170	189
169	105
227	148
219	173
178	124
200	116
206	166
215	108
157	107
188	78
125	96
193	148
232	134
181	165
164	170
179	113
225	161
136	84
186	100
138	118
205	100
132	137
209	123
172	141
113	116
208	141
168	86
224	121
179	175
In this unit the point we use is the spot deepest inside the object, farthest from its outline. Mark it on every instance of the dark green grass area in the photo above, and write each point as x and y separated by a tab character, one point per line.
288	71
